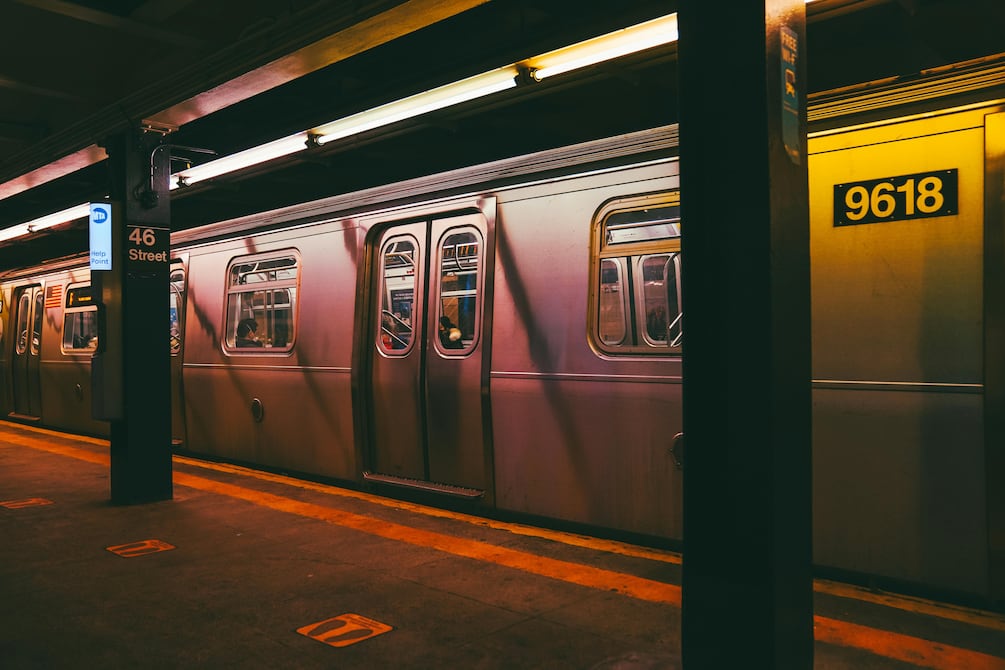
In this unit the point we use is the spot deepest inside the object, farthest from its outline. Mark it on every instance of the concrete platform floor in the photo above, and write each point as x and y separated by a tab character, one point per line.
251	570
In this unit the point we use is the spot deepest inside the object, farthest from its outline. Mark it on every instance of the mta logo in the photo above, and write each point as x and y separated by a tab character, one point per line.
99	213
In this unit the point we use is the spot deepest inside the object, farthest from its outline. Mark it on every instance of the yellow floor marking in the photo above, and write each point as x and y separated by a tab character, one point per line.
25	502
967	615
584	575
572	539
923	653
141	548
344	629
914	650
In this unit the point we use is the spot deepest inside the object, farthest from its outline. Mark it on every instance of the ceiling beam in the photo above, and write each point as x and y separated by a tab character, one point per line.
113	22
232	75
40	91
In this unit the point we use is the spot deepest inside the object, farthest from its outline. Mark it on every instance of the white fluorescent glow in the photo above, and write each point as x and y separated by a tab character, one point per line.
240	160
457	92
606	47
47	221
14	231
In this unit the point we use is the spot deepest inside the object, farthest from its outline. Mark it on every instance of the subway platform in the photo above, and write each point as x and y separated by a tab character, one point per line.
245	569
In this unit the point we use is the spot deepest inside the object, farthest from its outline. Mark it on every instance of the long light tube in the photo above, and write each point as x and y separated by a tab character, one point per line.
455	93
240	160
606	47
48	221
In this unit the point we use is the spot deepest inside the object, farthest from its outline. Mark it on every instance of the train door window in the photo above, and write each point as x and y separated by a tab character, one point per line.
36	323
398	285
459	263
636	301
262	303
23	315
80	322
177	302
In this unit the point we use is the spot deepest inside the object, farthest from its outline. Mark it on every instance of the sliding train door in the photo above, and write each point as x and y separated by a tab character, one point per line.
427	350
29	310
177	335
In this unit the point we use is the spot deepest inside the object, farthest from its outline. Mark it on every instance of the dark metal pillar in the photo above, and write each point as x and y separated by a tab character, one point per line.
747	584
132	369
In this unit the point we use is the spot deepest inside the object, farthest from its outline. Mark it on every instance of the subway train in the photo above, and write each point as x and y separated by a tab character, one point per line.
510	335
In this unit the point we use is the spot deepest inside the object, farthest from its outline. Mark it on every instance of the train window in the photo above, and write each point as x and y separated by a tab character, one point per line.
23	311
635	300
611	302
80	322
177	281
261	304
459	263
36	323
398	282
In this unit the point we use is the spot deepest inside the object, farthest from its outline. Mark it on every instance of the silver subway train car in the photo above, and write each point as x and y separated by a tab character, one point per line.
512	333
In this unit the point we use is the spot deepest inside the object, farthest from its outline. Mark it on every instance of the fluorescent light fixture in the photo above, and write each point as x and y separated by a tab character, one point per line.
606	47
14	231
240	160
48	221
437	98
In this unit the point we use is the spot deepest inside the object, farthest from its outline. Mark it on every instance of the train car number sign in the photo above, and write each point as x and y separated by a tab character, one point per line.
910	196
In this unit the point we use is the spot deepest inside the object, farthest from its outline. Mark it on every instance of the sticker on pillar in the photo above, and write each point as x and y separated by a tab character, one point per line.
790	94
25	502
101	235
344	630
142	548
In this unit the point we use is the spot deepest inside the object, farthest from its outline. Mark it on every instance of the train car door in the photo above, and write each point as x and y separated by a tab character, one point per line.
177	335
428	348
29	309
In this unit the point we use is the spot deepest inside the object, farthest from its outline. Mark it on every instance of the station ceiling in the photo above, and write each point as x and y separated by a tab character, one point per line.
230	74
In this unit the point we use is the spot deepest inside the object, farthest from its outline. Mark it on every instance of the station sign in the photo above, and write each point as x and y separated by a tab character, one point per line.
100	230
147	247
910	196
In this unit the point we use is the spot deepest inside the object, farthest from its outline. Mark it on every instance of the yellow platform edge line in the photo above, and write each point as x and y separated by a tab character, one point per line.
966	615
917	651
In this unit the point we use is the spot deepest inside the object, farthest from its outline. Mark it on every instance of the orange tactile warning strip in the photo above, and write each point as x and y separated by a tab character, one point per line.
344	630
24	502
917	651
141	548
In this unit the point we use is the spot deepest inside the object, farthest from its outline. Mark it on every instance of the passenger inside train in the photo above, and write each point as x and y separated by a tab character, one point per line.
246	330
450	335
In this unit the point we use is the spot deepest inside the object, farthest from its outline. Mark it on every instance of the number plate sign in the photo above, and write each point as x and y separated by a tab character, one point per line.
147	248
909	196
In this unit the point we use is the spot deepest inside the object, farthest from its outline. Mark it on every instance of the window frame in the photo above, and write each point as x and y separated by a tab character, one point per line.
176	289
478	292
385	293
69	311
21	346
629	253
228	337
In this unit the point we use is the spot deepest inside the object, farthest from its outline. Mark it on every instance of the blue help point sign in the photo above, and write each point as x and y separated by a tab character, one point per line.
101	236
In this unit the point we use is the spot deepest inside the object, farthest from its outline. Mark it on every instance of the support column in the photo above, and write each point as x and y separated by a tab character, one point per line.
747	582
131	372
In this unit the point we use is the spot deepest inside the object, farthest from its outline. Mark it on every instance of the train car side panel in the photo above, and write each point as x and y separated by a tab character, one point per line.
281	406
579	435
897	271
